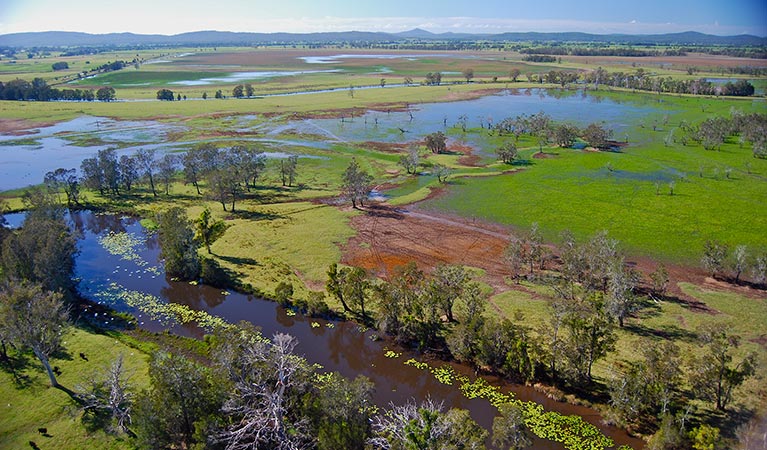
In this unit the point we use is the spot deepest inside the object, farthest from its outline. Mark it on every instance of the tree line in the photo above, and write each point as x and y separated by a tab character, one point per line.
38	90
595	292
642	81
599	51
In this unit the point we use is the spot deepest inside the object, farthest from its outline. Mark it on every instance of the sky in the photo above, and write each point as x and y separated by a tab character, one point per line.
721	17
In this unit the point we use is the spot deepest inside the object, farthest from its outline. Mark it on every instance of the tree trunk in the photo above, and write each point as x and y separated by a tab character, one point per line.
44	359
151	184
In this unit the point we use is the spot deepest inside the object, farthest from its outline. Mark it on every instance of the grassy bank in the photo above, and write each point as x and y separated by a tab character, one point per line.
30	403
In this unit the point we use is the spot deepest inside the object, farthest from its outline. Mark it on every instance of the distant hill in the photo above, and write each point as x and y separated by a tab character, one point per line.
74	39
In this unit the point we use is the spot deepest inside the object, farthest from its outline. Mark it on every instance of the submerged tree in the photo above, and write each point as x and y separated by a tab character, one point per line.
596	136
33	318
508	152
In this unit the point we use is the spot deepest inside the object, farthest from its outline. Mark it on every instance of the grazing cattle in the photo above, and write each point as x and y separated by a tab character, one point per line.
82	355
33	445
42	430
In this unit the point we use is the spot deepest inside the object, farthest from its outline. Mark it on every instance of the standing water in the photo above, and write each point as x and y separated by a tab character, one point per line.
117	255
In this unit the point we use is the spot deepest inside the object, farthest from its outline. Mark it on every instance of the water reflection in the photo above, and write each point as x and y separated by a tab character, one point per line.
336	346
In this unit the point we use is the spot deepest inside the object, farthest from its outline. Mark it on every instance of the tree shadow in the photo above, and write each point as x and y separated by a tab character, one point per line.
256	215
691	305
384	212
522	163
239	260
14	365
669	332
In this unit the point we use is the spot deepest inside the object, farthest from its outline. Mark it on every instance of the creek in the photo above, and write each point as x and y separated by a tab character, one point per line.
131	264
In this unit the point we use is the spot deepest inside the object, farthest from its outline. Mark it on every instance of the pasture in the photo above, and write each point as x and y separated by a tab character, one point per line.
660	198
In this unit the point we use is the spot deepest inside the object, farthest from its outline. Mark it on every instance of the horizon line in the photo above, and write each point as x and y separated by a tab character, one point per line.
385	32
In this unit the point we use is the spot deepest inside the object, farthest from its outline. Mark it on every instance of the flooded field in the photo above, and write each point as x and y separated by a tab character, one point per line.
24	159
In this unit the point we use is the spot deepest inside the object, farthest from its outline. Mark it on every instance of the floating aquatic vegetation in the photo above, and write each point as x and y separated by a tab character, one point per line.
159	310
315	325
417	364
290	312
330	325
444	374
572	431
123	245
391	354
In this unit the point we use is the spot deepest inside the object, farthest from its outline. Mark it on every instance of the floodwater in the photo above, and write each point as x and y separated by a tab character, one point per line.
24	160
335	59
336	346
238	77
578	107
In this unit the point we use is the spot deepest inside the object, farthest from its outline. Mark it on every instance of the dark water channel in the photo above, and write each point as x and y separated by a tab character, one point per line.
336	346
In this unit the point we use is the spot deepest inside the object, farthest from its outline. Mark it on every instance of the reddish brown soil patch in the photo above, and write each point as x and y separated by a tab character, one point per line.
539	155
761	340
232	134
468	158
470	95
387	238
20	127
386	147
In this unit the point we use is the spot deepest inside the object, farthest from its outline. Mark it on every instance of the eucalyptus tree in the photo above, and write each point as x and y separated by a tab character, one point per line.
288	170
66	180
356	184
146	163
177	244
34	318
713	375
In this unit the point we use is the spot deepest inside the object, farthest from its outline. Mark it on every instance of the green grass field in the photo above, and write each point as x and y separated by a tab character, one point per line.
628	193
30	403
